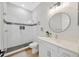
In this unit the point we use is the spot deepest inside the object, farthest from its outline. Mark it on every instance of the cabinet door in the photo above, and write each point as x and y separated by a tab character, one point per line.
55	51
50	50
44	49
67	53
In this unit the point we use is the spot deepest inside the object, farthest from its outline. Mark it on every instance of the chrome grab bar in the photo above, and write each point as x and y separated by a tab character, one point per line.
12	23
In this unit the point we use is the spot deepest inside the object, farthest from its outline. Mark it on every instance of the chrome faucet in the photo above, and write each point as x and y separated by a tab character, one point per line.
48	33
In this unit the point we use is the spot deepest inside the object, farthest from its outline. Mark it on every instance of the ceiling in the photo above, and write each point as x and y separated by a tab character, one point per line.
27	5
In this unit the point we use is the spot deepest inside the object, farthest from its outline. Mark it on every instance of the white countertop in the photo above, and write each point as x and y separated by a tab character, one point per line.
67	44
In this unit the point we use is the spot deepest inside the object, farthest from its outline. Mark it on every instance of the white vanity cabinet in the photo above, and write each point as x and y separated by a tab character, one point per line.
44	49
67	53
47	49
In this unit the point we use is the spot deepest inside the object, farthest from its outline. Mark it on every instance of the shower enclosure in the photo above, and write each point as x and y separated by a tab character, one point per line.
17	27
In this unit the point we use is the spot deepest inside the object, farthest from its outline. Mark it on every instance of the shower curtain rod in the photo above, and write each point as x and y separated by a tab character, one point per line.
12	23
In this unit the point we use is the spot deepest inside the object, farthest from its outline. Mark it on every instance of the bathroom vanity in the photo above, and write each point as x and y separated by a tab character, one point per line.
51	47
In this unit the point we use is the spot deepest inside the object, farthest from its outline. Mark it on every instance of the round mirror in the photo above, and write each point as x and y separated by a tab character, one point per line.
59	22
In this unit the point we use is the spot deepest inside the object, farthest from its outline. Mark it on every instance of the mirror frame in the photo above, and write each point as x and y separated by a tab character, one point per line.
66	27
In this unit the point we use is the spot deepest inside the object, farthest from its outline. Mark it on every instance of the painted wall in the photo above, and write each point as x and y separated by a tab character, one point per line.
1	27
72	32
18	14
42	12
3	38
